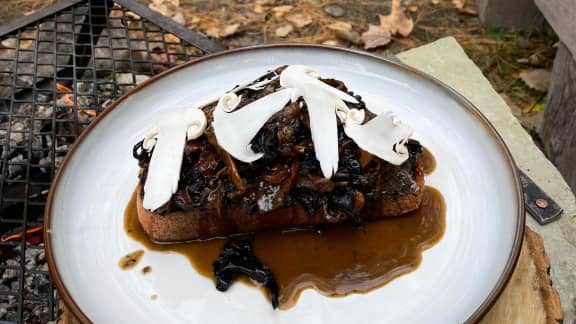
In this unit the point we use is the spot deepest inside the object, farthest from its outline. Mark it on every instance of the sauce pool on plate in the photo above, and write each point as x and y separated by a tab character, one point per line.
336	261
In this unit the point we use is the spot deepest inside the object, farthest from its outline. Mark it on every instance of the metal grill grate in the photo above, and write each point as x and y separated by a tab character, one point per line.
58	70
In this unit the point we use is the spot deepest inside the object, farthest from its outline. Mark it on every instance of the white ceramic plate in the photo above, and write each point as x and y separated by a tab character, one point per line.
457	281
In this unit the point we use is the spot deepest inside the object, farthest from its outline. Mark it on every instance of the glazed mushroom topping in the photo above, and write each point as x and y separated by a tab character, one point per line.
235	127
384	136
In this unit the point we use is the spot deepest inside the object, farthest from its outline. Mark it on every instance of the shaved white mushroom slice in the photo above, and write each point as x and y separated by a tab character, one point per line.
164	168
300	76
150	140
324	129
235	130
384	136
348	115
322	101
259	85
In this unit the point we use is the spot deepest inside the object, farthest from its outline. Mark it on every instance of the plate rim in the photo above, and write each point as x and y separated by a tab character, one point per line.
476	316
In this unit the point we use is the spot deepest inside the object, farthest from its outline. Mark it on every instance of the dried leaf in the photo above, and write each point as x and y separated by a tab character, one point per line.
375	36
258	8
538	107
283	31
397	22
299	20
435	2
169	8
343	30
537	79
470	11
537	60
413	8
332	42
179	18
459	3
340	25
222	31
166	8
229	30
193	20
281	10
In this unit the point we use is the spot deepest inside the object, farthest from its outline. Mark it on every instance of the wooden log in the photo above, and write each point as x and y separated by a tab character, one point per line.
559	129
510	13
561	15
529	296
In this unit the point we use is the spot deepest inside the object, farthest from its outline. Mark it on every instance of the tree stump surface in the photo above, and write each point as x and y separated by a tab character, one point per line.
510	13
559	129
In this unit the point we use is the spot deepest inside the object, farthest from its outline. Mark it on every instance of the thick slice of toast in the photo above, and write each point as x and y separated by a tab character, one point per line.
210	222
219	196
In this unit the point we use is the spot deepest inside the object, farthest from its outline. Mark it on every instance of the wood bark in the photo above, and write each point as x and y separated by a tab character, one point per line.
559	129
510	13
561	15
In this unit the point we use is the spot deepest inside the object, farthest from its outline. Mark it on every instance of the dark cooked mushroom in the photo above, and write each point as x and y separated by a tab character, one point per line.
237	258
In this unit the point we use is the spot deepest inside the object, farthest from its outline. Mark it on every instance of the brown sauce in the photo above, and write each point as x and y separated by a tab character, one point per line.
336	262
428	161
130	260
146	270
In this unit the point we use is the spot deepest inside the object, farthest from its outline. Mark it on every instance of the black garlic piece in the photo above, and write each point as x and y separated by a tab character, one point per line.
237	257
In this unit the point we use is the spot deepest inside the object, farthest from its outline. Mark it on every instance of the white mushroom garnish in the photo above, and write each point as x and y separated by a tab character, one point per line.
322	101
168	139
384	136
235	129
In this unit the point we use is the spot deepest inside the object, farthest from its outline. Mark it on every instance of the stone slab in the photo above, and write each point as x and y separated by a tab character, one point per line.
446	60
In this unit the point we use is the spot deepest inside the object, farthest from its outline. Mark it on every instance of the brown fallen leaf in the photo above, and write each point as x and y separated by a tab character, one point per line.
193	20
222	31
343	30
165	7
537	60
340	25
375	36
397	22
332	42
470	11
280	11
459	3
179	18
299	20
169	8
258	8
283	31
537	79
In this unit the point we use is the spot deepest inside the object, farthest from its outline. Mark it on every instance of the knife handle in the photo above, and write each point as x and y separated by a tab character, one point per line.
543	208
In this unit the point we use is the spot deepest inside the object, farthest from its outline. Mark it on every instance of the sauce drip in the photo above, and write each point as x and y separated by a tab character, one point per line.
130	260
146	270
336	262
428	161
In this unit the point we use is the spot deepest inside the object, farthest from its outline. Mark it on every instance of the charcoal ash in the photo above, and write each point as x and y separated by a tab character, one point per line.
36	285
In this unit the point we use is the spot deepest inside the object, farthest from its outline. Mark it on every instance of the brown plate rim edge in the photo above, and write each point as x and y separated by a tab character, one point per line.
519	234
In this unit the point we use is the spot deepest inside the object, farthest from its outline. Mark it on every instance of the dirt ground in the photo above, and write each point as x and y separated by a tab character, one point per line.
504	55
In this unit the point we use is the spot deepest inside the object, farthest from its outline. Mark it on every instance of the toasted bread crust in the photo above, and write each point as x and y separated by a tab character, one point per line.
206	223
